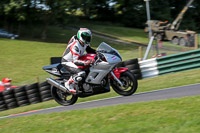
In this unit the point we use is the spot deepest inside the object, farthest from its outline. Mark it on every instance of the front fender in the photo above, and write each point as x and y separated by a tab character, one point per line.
119	70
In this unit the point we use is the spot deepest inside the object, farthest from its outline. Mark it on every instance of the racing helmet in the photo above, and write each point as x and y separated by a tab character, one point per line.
84	35
6	80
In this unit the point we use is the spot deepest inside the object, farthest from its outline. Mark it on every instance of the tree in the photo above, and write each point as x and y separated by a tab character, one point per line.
13	12
131	12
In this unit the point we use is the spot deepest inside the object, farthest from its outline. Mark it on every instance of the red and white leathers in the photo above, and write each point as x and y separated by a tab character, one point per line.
71	61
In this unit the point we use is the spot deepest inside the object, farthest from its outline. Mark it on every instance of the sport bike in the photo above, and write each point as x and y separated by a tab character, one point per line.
99	77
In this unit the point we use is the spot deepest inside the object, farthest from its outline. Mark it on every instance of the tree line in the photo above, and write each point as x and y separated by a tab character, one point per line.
131	13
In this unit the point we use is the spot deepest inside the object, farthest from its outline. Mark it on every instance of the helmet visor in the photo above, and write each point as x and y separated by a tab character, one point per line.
86	37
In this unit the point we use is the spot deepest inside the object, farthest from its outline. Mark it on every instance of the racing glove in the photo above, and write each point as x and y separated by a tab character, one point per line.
88	62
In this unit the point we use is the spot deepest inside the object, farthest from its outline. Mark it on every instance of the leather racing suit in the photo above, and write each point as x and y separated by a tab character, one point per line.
70	59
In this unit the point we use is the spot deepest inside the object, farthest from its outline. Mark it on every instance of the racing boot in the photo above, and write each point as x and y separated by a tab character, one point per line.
70	85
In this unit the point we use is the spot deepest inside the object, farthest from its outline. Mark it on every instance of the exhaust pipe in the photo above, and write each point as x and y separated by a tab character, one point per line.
58	85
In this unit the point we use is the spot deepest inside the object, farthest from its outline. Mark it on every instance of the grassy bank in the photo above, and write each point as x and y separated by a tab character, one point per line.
167	116
23	60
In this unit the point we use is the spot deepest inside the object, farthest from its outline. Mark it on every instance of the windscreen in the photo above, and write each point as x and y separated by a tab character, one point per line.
108	49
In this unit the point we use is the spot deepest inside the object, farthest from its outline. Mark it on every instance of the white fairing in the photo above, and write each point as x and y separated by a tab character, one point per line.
102	68
112	59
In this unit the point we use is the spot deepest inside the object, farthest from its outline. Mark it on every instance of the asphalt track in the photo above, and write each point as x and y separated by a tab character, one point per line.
176	92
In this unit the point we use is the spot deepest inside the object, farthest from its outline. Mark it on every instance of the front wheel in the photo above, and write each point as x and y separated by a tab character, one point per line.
63	98
129	81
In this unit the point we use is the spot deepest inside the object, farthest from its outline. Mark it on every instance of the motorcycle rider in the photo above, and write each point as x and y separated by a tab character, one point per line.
77	45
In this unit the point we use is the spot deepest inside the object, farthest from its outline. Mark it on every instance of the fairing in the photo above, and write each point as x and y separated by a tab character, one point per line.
120	70
56	70
85	58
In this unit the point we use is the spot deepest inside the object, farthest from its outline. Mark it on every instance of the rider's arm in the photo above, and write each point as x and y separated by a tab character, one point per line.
75	55
90	50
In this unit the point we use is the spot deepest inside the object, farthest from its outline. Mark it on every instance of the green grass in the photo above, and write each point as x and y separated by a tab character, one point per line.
123	33
166	116
23	60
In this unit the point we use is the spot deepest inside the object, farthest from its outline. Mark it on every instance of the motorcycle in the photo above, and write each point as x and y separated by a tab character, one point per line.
100	75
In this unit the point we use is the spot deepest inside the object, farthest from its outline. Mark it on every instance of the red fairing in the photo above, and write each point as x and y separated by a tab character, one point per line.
85	58
117	71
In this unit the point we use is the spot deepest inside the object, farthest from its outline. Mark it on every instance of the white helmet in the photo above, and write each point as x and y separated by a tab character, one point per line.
84	35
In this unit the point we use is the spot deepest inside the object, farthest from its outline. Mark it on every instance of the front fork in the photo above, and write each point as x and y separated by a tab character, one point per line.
115	74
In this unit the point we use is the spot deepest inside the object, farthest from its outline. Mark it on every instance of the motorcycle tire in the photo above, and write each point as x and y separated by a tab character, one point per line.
23	102
46	96
45	92
12	105
131	62
32	86
45	83
9	96
61	98
32	91
120	64
44	88
2	109
47	99
7	92
132	67
130	84
19	94
2	102
19	89
21	98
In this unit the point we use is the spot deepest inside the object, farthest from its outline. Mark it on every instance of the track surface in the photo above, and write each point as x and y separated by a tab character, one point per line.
189	90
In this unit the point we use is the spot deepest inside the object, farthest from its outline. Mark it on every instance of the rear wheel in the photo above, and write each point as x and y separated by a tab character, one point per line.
129	84
182	42
175	40
63	98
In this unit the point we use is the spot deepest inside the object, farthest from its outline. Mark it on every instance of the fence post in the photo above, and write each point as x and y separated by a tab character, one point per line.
196	41
37	79
140	52
148	48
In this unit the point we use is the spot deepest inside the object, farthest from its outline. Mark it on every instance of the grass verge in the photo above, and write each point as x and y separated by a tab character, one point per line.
175	115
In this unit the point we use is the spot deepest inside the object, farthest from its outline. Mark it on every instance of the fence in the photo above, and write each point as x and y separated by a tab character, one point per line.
167	48
171	63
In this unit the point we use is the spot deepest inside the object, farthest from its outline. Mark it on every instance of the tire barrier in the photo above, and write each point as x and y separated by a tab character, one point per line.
132	66
25	95
45	92
170	64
